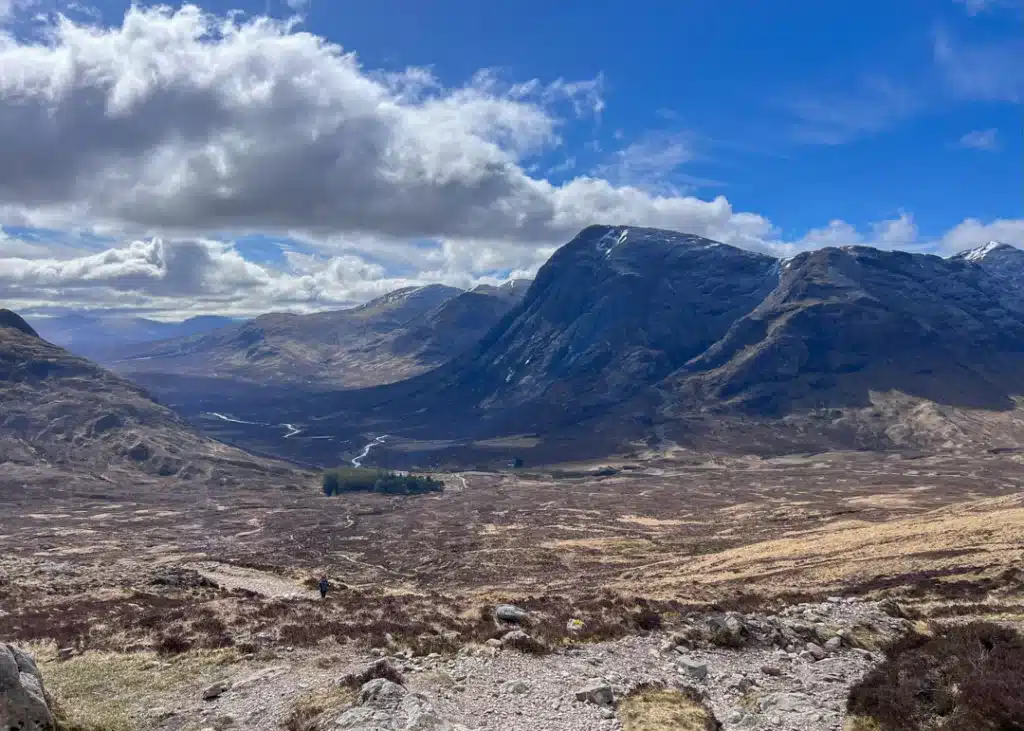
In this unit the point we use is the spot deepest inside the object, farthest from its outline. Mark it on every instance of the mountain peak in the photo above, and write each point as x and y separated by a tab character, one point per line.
987	251
13	320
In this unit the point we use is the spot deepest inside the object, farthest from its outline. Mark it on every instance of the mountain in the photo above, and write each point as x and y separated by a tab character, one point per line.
845	321
66	415
396	336
94	336
641	336
455	325
1002	261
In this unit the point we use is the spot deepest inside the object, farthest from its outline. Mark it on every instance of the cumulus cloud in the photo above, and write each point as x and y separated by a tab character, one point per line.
177	131
191	276
972	233
892	233
186	122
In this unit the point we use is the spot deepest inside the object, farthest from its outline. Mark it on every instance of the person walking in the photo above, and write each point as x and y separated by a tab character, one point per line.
324	586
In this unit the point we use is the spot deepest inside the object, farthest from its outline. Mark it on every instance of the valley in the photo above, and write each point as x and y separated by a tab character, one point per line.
661	439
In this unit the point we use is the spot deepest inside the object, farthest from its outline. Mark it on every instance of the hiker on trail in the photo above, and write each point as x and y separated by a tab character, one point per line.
324	586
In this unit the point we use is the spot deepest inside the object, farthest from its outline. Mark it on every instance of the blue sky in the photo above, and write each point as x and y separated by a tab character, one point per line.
739	83
473	138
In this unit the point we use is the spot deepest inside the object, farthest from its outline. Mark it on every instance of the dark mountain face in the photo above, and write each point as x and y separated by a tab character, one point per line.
14	321
1003	262
456	325
615	309
844	322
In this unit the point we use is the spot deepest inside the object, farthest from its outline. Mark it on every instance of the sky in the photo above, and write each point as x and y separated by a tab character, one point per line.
243	156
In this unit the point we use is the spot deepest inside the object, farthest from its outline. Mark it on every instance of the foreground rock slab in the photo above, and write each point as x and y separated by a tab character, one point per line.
22	700
387	706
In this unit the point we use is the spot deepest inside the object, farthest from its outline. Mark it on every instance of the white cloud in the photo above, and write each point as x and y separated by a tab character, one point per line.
895	233
982	72
182	129
972	233
981	139
184	123
838	118
974	7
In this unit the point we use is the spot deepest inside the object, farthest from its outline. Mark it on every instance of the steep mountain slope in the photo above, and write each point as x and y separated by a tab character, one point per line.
609	315
454	326
94	336
62	412
613	310
843	321
645	337
333	347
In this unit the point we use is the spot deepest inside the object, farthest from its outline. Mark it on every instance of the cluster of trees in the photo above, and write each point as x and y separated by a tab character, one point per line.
365	479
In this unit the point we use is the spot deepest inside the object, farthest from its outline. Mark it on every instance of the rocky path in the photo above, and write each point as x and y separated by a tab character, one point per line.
263	583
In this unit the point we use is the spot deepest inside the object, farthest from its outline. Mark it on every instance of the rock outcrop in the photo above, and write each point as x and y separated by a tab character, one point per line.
387	706
23	704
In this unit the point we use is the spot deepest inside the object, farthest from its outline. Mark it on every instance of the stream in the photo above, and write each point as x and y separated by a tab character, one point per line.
291	428
358	461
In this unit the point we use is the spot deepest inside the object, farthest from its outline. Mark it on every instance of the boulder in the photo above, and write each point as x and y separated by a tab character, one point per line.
23	703
519	640
816	651
693	668
510	613
387	706
516	687
596	691
216	690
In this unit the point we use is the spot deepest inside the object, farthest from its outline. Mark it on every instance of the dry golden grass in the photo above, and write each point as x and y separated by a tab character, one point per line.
664	710
649	522
983	532
859	723
114	692
600	544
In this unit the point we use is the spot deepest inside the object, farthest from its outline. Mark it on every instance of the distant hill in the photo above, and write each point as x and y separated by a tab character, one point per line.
97	335
393	337
65	415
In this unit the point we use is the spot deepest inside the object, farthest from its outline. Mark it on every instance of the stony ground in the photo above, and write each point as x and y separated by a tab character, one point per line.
776	681
121	573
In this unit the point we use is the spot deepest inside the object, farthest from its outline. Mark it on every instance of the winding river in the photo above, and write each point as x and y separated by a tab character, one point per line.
358	461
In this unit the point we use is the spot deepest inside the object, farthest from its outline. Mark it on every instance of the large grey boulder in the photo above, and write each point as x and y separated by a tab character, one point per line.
387	706
22	699
596	691
510	613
